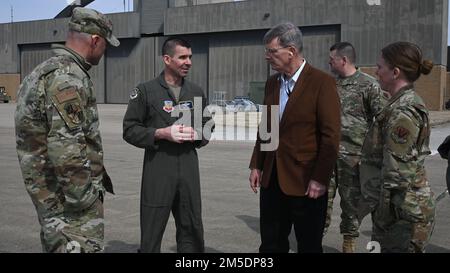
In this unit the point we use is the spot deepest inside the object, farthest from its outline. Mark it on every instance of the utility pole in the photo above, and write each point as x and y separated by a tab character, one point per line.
12	14
123	5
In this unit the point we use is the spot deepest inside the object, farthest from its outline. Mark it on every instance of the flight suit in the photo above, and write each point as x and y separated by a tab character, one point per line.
170	179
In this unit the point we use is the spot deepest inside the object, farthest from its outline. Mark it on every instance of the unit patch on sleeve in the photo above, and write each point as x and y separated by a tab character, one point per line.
400	135
134	93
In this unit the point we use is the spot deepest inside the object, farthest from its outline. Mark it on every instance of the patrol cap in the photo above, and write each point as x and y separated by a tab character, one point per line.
92	22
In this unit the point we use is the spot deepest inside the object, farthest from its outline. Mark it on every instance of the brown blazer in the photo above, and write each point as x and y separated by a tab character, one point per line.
309	133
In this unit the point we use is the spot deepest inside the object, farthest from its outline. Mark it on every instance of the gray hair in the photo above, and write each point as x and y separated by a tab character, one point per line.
288	35
75	35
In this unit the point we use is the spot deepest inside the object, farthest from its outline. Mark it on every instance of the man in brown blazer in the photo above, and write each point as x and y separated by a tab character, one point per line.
294	177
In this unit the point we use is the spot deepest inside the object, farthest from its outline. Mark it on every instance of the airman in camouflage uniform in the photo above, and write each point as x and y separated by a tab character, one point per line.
361	98
58	140
393	179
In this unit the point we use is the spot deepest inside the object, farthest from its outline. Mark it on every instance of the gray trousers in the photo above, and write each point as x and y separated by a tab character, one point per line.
186	210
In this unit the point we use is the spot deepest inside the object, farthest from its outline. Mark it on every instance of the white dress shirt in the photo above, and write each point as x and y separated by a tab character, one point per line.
287	87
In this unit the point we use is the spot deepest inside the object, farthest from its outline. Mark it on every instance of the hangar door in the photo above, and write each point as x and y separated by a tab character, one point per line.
317	42
237	66
32	55
235	60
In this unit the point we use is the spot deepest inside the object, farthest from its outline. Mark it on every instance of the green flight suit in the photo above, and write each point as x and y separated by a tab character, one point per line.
170	179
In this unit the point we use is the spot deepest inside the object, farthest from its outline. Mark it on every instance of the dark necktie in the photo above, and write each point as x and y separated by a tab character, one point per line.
289	91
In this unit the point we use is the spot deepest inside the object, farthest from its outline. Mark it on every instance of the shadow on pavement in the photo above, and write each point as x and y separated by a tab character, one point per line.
367	233
436	249
327	249
252	222
121	247
207	249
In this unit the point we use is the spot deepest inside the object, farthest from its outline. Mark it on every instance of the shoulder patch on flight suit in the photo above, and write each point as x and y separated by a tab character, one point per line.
134	93
400	135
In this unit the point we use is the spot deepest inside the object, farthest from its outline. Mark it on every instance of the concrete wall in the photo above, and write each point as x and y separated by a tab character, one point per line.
33	54
128	65
152	15
432	88
11	83
118	72
126	25
237	58
226	39
368	27
229	62
9	51
184	3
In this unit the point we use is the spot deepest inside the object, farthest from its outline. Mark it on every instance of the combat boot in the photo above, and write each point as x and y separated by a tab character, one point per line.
349	244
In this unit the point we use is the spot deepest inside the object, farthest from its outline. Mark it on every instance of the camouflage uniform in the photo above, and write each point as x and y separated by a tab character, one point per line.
361	98
393	179
60	151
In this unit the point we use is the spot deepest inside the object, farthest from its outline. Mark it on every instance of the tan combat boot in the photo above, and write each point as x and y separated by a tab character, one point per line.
349	244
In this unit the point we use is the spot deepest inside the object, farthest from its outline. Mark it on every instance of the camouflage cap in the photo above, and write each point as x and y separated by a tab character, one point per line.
93	22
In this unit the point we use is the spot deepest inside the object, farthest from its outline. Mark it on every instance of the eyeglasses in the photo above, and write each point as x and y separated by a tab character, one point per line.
273	50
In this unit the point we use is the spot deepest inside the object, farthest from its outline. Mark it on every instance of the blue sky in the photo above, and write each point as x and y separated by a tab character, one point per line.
25	10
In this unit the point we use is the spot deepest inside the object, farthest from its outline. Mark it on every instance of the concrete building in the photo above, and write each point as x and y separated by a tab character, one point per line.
226	36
